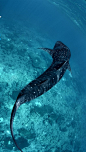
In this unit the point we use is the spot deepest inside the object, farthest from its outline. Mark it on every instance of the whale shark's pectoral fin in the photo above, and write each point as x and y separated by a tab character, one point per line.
50	51
69	68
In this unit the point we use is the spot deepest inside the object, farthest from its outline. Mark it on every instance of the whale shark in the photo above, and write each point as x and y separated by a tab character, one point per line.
61	55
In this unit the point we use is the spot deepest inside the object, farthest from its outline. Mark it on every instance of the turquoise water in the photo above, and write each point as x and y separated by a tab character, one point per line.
55	121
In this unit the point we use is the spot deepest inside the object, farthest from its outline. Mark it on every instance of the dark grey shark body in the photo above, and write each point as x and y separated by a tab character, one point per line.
61	55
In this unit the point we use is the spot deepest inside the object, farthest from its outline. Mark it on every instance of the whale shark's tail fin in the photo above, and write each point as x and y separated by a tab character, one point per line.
11	124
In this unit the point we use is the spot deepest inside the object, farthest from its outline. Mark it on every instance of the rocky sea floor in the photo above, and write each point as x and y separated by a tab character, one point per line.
50	123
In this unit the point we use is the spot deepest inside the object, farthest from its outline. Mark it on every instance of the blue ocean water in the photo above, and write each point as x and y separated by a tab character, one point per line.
55	121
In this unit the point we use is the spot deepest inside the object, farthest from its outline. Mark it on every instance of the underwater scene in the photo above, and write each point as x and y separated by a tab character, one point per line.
51	117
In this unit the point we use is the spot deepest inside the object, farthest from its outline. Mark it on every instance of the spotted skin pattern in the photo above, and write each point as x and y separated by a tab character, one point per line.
61	55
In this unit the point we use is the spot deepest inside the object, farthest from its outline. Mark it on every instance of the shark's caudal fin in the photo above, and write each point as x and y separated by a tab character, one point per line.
11	124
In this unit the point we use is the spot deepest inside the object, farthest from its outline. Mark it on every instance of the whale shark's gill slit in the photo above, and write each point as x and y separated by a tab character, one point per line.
61	55
58	66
